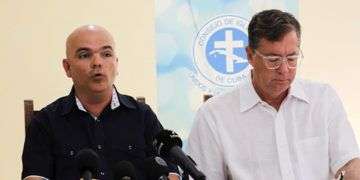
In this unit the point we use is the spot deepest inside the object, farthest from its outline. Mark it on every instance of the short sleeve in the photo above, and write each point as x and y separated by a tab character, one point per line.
342	143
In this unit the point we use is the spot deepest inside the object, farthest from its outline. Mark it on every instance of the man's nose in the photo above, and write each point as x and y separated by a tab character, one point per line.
284	66
96	61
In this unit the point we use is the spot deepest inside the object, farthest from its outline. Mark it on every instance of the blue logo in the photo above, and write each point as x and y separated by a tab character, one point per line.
225	51
220	54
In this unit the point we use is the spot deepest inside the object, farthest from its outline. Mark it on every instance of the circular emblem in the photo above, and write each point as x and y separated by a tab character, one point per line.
219	51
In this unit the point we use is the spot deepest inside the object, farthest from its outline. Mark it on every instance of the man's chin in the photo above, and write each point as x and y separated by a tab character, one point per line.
282	82
99	88
279	89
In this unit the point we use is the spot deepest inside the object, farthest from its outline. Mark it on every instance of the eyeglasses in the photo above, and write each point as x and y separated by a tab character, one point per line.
274	62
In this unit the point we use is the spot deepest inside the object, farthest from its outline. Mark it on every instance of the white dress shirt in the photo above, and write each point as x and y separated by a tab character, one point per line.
238	136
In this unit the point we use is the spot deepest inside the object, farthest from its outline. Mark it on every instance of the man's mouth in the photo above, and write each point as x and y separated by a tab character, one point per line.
281	80
97	76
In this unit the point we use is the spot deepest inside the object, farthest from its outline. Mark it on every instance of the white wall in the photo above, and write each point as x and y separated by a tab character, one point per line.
32	45
331	36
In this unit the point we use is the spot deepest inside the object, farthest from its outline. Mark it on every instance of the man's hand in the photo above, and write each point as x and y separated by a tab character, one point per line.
34	177
174	176
352	170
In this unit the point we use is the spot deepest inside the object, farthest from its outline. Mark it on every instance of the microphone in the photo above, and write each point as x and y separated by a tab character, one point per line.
156	168
88	163
168	144
124	170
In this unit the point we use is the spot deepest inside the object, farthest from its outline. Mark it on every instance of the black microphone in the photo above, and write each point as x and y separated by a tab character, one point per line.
124	170
88	163
168	144
156	168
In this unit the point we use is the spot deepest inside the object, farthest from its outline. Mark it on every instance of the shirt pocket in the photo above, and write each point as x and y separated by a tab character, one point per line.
313	158
65	164
128	151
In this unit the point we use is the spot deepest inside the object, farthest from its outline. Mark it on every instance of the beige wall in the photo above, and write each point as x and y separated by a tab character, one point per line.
33	34
32	44
331	36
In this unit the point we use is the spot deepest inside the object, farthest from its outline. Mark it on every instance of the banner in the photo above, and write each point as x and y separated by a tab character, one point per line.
200	49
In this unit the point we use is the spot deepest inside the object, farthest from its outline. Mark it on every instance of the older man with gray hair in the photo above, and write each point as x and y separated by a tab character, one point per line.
275	126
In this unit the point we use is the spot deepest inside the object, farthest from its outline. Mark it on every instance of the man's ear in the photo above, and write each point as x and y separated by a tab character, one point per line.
250	55
117	67
66	67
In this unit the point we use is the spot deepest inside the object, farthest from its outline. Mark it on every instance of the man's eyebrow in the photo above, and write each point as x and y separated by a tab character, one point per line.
276	54
107	47
82	49
88	49
294	53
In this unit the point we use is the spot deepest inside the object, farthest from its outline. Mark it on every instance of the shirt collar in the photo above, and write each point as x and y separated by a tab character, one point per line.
249	97
71	101
114	101
297	91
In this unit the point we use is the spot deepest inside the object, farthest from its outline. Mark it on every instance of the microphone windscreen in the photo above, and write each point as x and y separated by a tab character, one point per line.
87	160
155	167
165	140
124	170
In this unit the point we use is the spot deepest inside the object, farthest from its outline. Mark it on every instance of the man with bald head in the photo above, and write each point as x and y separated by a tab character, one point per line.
92	65
93	116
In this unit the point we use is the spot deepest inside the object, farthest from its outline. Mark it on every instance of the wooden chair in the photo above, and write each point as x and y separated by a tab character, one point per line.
29	111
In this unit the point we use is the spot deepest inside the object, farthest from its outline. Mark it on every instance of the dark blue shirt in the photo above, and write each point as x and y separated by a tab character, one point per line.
60	130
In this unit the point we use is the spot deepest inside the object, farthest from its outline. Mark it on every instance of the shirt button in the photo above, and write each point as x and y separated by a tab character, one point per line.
99	147
130	147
